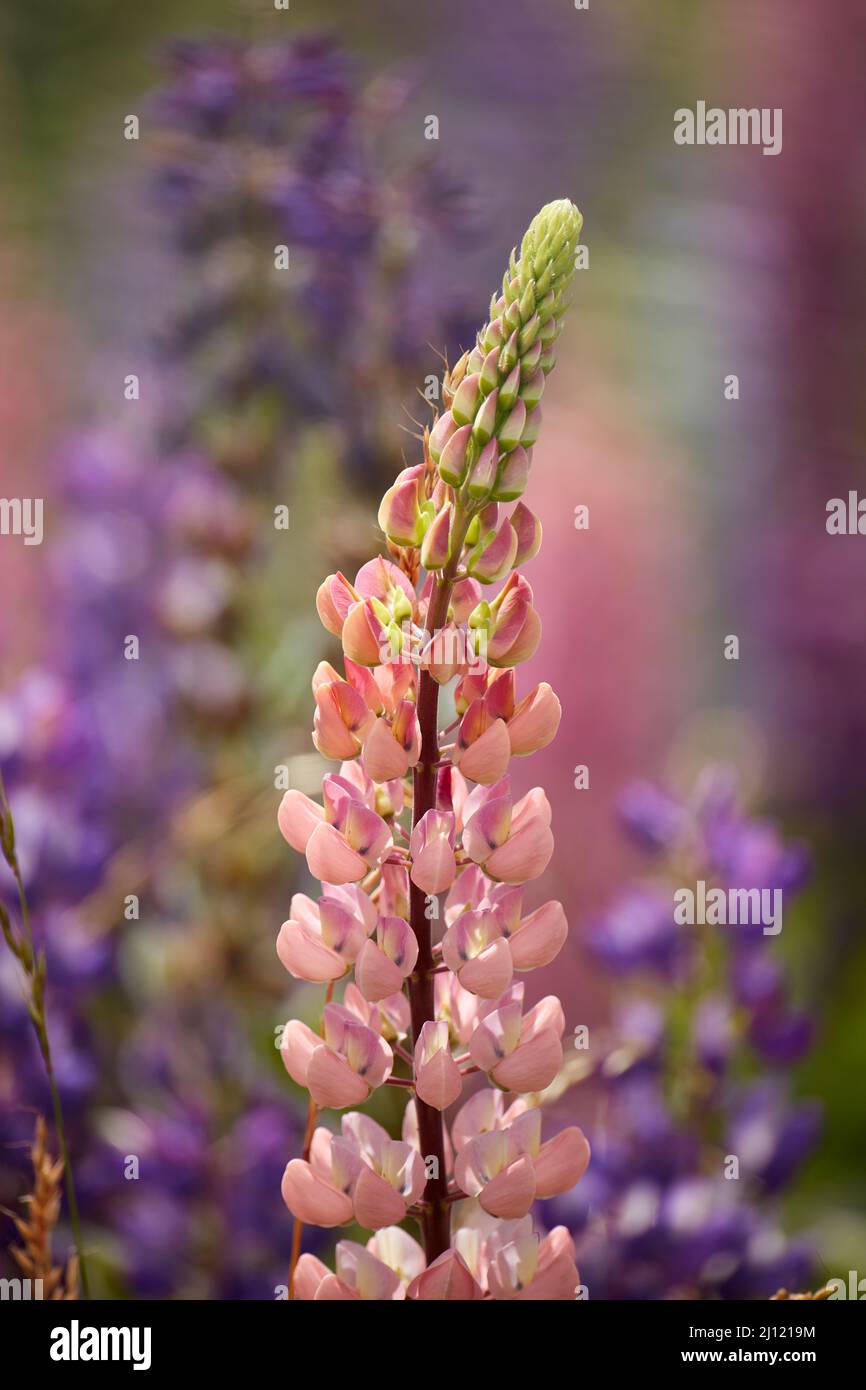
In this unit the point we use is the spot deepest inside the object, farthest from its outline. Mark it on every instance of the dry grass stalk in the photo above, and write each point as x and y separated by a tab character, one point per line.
34	1257
797	1297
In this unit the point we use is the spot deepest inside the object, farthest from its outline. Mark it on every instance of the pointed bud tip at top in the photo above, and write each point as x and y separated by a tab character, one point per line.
561	220
550	241
562	212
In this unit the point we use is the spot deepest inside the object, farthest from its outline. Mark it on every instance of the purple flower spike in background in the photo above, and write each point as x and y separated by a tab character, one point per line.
699	1133
169	537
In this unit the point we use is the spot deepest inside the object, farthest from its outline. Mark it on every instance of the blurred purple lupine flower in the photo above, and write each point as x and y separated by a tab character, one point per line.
259	144
661	1211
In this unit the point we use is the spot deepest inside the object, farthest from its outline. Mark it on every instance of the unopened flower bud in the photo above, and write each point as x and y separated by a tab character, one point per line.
532	427
530	360
494	558
509	355
452	380
495	336
452	463
400	510
441	432
485	420
511	430
500	697
527	302
435	547
509	389
514	629
489	376
529	333
333	601
528	530
476	360
466	399
513	476
483	475
512	317
531	387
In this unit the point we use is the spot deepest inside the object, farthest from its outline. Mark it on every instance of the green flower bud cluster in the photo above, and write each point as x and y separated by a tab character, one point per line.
482	442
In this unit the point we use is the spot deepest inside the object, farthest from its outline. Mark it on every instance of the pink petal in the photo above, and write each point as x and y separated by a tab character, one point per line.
304	911
296	1049
438	1083
532	1066
377	577
480	1114
366	832
467	892
446	1279
486	760
487	829
535	721
434	868
312	1199
394	894
433	864
399	516
556	1278
500	696
341	930
376	1202
437	1077
330	859
502	652
561	1162
547	1013
383	757
496	1037
333	1290
331	738
297	818
524	856
382	1061
362	679
354	900
309	1274
375	975
511	1193
397	1250
497	557
533	808
306	957
373	1279
539	938
339	790
363	636
333	601
488	974
528	529
331	1081
399	942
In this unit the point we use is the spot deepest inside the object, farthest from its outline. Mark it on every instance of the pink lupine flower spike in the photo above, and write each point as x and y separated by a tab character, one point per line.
420	931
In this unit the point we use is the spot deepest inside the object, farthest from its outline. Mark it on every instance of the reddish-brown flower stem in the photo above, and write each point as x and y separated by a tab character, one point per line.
435	1220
